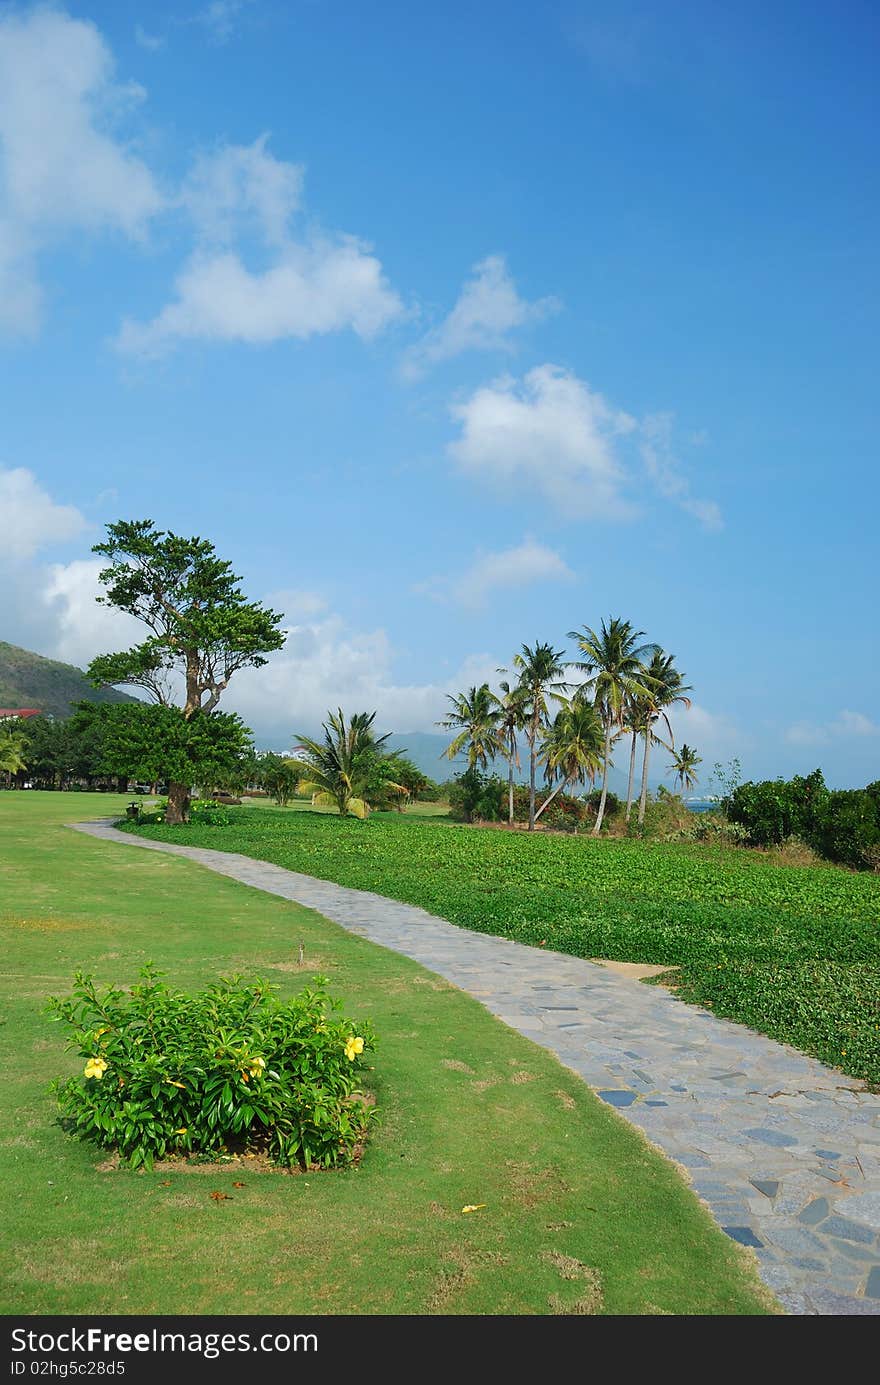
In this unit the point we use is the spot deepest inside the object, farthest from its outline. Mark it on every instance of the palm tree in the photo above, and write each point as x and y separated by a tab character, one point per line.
336	769
13	749
511	720
684	763
475	714
572	747
666	687
540	677
633	719
614	663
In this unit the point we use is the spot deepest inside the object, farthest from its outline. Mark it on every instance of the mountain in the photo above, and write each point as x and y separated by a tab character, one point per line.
428	752
29	680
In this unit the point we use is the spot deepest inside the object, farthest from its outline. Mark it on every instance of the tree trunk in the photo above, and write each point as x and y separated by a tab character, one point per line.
643	797
178	803
532	759
601	813
632	766
563	783
510	780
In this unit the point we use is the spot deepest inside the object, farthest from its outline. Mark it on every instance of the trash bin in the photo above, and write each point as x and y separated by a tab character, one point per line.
133	811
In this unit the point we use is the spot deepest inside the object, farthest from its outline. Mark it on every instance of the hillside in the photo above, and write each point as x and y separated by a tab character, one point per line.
29	680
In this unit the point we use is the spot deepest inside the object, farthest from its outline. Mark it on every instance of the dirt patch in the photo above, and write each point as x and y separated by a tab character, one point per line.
485	1083
522	1076
456	1065
567	1102
530	1187
632	971
589	1299
463	1264
46	925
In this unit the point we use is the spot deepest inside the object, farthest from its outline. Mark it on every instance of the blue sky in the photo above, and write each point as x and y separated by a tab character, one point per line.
456	327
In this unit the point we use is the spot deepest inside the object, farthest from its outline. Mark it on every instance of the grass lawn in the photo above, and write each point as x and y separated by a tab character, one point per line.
471	1113
790	950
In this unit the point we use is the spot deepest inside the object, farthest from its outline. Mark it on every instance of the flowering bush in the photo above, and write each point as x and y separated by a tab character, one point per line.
231	1067
201	810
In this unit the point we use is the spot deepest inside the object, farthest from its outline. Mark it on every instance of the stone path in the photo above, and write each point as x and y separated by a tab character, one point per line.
784	1151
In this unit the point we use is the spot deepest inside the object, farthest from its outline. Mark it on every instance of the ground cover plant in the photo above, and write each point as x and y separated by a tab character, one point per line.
229	1067
580	1214
791	951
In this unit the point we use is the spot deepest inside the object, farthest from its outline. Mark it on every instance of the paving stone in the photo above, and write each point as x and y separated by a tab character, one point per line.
814	1211
768	1186
770	1137
743	1234
847	1230
713	1106
866	1209
825	1301
618	1098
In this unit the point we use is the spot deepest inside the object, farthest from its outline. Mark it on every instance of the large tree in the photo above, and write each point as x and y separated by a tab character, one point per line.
512	706
572	748
475	715
684	766
13	748
665	688
541	671
201	629
343	769
614	663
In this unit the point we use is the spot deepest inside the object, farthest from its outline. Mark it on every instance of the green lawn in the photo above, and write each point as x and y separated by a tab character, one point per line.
790	950
471	1113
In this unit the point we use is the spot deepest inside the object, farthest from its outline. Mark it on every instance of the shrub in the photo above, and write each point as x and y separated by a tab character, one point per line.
476	797
776	809
613	804
849	828
843	826
204	810
168	1073
565	813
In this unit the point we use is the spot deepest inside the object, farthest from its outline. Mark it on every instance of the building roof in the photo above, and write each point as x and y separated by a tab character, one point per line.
6	712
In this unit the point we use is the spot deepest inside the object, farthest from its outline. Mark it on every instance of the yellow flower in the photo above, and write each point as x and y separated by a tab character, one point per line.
95	1067
182	1131
105	1029
353	1047
256	1067
171	1083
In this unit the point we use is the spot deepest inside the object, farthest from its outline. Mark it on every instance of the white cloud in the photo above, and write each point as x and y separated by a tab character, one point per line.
665	472
323	665
314	285
489	308
221	18
522	566
241	187
64	169
30	518
151	42
846	724
83	628
297	604
549	435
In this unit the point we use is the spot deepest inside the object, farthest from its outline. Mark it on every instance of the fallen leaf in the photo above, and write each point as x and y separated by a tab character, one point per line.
238	1185
221	1197
473	1206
